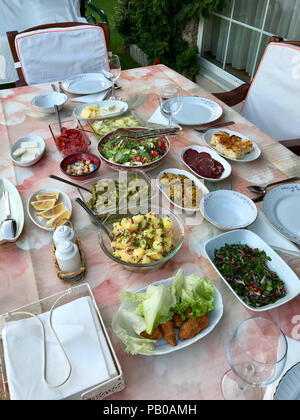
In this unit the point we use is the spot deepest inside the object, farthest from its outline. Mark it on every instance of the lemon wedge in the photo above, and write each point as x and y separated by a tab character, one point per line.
49	214
48	196
58	220
42	205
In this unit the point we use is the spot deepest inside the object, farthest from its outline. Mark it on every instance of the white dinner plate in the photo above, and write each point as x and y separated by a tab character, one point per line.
282	208
16	208
214	155
249	157
40	221
228	210
77	111
288	388
87	83
214	316
277	264
196	181
197	111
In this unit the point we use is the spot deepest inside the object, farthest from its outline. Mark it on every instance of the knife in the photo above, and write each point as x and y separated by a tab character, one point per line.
204	129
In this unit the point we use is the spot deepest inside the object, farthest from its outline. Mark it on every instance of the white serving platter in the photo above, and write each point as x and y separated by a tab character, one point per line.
282	208
196	180
17	145
214	155
40	221
214	316
277	264
77	111
197	111
249	157
16	208
228	210
87	83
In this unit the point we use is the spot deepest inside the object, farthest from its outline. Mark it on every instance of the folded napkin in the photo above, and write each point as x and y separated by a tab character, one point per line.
263	228
159	118
293	357
83	341
95	97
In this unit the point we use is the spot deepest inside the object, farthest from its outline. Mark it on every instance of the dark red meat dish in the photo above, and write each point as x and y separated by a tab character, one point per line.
71	141
203	164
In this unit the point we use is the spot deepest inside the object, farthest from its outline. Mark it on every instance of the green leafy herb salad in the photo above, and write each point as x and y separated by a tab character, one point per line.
134	152
246	271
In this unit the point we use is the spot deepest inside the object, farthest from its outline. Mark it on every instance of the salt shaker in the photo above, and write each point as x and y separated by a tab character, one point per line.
68	257
63	233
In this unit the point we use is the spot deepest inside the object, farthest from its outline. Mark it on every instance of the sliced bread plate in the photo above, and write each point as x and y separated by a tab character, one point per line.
121	108
16	208
62	203
249	157
210	159
276	265
214	316
87	83
201	189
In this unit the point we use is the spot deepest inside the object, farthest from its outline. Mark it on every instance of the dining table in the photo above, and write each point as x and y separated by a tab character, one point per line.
27	271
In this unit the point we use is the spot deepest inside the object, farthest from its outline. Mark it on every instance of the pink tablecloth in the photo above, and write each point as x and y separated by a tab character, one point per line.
27	272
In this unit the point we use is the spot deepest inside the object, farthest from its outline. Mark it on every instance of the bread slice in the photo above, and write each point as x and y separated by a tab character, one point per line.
231	146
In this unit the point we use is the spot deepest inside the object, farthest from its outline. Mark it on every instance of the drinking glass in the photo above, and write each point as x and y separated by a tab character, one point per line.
257	354
115	71
170	100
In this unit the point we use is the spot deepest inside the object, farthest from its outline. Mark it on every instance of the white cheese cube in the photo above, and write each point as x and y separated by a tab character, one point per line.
29	144
19	152
27	157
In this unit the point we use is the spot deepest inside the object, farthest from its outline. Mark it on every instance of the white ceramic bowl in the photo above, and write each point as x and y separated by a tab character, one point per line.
277	264
228	210
196	181
45	103
17	145
214	155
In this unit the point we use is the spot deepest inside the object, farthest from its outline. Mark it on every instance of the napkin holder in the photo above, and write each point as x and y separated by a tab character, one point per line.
98	392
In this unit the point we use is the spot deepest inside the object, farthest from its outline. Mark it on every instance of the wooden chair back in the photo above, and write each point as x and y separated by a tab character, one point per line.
11	36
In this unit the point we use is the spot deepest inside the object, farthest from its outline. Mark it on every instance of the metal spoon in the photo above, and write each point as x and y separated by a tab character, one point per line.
95	218
69	182
9	225
257	189
57	110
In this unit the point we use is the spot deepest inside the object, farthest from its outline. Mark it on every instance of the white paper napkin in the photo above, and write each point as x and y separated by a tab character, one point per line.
96	97
74	323
275	239
159	118
293	357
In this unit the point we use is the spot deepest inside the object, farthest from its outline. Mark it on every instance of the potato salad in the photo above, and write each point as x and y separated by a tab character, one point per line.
142	239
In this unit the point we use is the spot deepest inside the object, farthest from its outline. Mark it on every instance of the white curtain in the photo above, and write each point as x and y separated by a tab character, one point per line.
283	19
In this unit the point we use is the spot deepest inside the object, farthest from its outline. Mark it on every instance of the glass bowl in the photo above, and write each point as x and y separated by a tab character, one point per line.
178	238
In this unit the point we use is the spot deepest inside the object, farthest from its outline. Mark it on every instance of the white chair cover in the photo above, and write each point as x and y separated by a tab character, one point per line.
19	15
273	99
58	53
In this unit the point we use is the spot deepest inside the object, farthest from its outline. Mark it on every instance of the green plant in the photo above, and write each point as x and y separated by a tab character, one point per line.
157	26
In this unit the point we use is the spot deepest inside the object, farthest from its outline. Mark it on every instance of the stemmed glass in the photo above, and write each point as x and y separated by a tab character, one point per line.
170	100
257	355
115	71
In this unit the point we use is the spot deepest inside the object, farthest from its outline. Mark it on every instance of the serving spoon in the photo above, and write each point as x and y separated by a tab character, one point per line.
95	218
257	189
69	182
8	225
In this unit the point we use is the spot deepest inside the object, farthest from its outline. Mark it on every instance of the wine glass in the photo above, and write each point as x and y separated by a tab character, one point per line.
115	71
170	100
257	354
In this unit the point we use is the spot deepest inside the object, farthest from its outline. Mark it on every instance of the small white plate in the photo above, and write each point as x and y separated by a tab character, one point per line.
249	157
214	316
85	84
214	155
282	208
277	264
45	103
228	210
197	111
288	388
77	111
197	182
17	145
16	208
40	221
